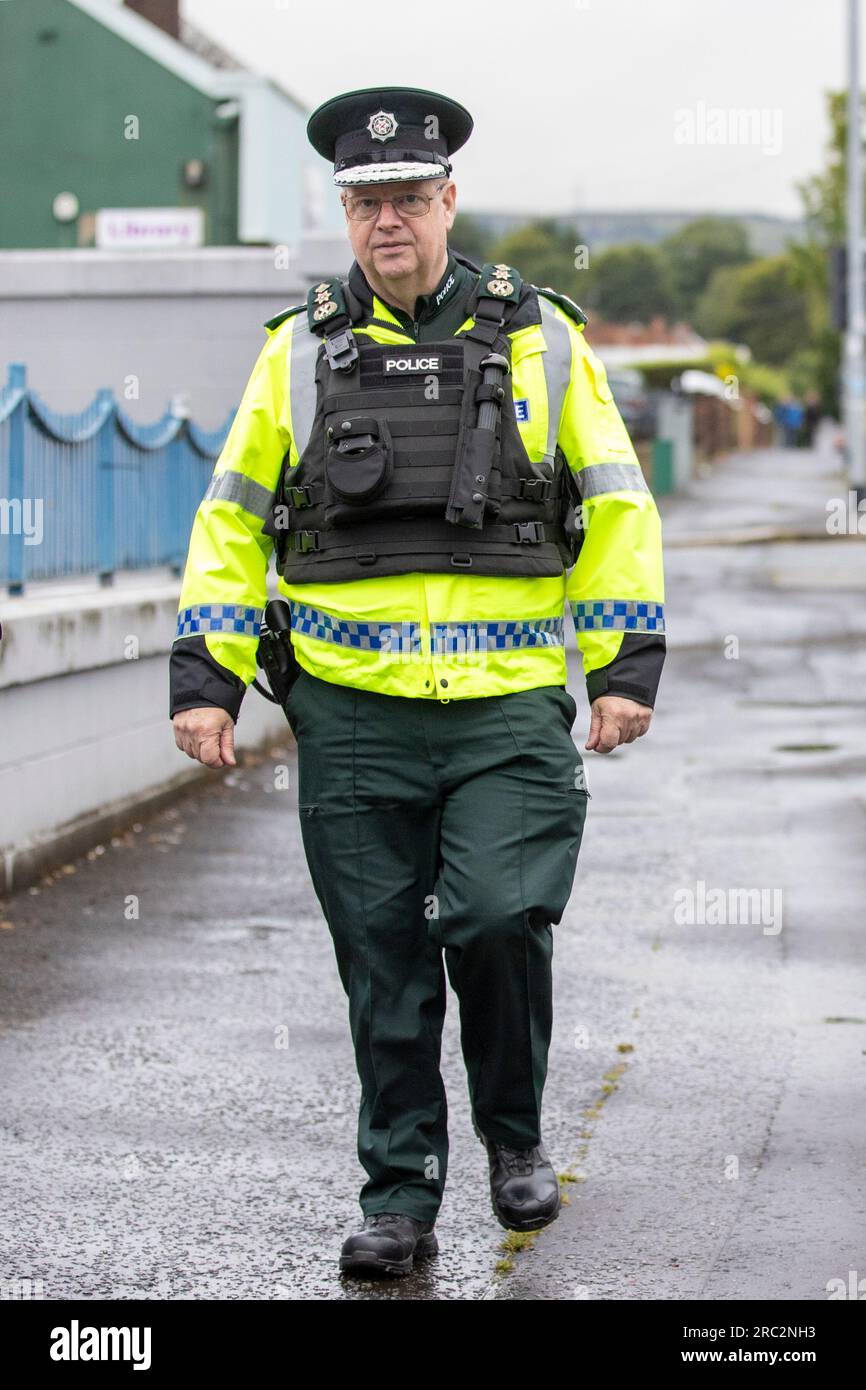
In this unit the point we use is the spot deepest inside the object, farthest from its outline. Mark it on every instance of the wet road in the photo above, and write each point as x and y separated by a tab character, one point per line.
179	1091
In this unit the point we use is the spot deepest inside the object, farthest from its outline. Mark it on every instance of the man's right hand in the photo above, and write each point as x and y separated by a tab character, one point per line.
207	735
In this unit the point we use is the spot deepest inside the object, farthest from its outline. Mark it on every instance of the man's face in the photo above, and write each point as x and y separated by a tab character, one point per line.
392	246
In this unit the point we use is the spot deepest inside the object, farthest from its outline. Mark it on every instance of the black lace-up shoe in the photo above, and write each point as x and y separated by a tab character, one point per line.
387	1244
524	1188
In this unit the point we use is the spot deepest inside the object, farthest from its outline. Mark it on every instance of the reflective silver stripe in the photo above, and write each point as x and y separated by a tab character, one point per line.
610	477
557	368
302	382
231	486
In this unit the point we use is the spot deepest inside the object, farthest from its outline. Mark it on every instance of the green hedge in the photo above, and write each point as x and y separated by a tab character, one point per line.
769	384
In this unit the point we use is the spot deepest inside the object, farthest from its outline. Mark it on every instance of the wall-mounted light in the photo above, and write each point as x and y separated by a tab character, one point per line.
65	207
194	173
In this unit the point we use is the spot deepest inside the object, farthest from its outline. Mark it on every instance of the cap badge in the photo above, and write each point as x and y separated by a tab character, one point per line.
382	125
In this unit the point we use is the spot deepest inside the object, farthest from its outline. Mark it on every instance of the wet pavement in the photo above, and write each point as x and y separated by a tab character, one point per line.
179	1089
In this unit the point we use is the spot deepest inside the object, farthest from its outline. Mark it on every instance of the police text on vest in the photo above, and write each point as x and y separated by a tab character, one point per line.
412	364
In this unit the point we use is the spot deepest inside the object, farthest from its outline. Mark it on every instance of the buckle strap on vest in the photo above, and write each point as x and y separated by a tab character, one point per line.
517	532
301	495
535	489
488	324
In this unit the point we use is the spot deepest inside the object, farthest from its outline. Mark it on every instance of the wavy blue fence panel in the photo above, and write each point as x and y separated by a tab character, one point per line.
94	492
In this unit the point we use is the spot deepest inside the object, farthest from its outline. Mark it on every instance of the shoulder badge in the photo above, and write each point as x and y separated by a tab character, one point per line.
325	301
500	282
284	314
573	310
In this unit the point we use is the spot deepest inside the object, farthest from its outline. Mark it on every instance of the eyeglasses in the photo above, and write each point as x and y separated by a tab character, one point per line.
361	208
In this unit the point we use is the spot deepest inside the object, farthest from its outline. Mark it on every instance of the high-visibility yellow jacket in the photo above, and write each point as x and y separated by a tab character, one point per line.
472	635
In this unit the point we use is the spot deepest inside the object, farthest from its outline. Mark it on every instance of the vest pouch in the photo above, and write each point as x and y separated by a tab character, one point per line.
360	459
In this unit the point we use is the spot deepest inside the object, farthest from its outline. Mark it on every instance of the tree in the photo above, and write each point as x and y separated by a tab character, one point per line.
543	253
696	250
823	198
630	283
759	304
823	194
467	237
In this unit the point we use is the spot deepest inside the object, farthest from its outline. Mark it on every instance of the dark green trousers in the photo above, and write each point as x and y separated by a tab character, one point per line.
433	827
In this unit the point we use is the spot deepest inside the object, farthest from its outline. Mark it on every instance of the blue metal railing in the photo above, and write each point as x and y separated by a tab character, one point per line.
93	493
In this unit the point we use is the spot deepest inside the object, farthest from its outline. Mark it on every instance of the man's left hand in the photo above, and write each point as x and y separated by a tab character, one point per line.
616	720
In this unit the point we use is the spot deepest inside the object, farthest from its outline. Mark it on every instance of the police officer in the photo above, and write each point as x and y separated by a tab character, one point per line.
433	454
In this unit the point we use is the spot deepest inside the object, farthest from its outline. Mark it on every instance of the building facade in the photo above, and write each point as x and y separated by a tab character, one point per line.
108	112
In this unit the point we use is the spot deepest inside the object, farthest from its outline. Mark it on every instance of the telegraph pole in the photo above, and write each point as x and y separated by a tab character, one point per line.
855	359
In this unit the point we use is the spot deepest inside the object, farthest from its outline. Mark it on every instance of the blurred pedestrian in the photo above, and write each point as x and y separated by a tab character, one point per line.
790	415
811	418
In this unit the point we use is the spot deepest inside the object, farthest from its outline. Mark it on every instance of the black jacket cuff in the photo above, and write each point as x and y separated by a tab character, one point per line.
196	680
635	671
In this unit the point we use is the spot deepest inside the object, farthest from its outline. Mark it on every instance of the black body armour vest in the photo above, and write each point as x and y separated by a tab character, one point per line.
415	461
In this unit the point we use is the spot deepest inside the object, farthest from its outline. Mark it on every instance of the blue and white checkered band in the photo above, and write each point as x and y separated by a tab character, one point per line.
219	617
453	638
624	615
402	638
397	637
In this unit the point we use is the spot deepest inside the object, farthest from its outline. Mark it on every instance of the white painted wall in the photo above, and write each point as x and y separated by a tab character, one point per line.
83	727
152	324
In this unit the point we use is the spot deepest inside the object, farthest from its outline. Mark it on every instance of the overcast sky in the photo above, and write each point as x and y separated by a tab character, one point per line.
618	104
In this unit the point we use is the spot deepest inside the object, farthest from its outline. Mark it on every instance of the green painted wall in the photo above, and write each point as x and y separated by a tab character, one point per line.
68	86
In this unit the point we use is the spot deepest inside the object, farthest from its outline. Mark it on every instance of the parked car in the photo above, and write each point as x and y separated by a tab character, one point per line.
633	400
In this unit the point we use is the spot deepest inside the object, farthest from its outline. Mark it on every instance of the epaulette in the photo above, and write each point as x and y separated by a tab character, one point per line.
328	316
284	314
568	306
326	301
500	281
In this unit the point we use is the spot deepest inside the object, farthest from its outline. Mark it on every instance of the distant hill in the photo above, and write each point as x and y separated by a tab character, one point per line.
767	234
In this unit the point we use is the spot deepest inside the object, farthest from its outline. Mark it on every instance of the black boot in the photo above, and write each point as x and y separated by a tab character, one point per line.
387	1243
524	1188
